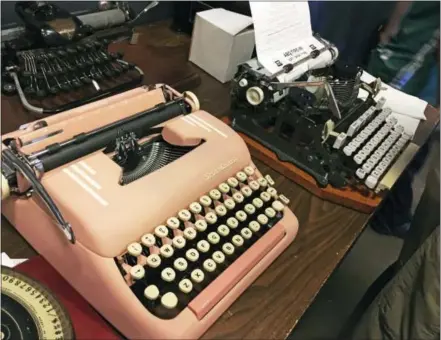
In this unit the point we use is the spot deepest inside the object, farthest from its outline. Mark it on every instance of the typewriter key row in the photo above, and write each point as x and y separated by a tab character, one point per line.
173	264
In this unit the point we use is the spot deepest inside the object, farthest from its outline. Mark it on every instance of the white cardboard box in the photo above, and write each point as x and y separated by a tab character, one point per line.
221	41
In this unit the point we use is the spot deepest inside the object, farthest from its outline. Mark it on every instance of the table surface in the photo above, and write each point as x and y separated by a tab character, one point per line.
272	306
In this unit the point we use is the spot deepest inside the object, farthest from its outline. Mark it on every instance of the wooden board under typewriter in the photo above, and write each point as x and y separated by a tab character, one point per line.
361	200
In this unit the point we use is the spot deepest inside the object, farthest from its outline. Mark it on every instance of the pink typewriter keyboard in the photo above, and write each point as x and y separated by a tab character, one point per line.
195	258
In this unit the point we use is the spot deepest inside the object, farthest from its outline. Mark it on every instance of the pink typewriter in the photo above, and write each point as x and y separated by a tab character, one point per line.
151	208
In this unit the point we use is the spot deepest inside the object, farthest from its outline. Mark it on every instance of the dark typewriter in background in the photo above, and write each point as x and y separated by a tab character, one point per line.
60	63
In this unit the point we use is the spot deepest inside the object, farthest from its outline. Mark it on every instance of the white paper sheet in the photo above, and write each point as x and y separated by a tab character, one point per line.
228	21
11	263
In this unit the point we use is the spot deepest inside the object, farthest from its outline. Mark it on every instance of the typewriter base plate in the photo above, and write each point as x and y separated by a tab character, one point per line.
365	202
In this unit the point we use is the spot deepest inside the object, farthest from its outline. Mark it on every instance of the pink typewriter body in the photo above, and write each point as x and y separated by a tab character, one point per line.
106	216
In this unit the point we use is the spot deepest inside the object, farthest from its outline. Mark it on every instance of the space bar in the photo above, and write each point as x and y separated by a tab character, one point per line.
216	290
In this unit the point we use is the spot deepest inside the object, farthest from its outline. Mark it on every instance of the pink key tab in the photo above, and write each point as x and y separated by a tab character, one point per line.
216	290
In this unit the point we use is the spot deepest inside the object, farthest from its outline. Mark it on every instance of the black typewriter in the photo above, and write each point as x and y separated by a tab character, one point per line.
60	63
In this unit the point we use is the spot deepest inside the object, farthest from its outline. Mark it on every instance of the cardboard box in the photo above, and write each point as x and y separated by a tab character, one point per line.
221	41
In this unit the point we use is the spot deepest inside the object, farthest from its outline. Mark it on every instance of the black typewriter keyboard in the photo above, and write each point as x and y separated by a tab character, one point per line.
170	266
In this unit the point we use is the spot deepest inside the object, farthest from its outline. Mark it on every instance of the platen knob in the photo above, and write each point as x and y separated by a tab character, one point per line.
255	95
191	98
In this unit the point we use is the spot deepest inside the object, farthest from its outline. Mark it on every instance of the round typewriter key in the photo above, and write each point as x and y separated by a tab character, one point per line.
238	197
192	255
166	251
168	274
270	212
195	208
221	210
232	182
200	225
134	249
203	246
205	201
148	240
254	185
228	248
189	233
180	264
218	257
258	203
266	197
169	300
272	192
262	219
254	226
246	233
178	242
249	170
213	238
151	292
211	217
154	260
246	191
197	275
241	215
237	240
215	194
224	187
184	215
232	222
229	203
137	272
241	176
185	286
262	182
209	265
223	230
161	231
173	223
270	180
250	209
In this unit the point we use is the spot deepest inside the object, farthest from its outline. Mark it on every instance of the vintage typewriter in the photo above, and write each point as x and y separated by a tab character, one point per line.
61	63
149	207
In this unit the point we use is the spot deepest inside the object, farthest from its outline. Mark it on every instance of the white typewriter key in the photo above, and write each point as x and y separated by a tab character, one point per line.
238	197
215	194
209	265
224	187
192	255
197	275
180	264
169	300
232	222
270	180
262	182
262	219
148	240
249	171
272	192
201	225
184	215
367	167
195	208
246	191
241	215
254	226
153	261
218	257
173	223
213	238
270	212
189	233
358	159
232	182
203	246
161	231
211	218
266	197
360	173
229	203
258	203
151	292
254	185
399	128
223	230
179	242
278	206
137	272
228	248
246	233
205	201
185	286
237	240
241	176
134	249
221	210
371	182
168	274
375	174
284	199
166	251
250	209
